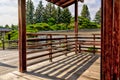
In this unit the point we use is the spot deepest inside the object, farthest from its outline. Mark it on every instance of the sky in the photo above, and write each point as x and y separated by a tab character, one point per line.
9	10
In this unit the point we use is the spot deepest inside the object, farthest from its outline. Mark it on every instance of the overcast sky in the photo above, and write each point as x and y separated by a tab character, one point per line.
9	9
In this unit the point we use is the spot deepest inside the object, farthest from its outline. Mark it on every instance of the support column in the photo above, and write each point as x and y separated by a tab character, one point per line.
76	26
22	35
3	40
110	40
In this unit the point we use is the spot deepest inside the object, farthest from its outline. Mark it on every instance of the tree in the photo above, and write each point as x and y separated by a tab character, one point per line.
49	12
14	27
59	15
30	12
66	16
85	12
98	17
7	26
39	13
86	23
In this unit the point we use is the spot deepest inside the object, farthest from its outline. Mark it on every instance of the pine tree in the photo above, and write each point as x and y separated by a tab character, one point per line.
39	13
54	13
47	12
50	13
29	12
98	17
59	15
66	17
85	12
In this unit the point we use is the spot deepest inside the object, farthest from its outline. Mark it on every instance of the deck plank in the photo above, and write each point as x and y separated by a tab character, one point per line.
73	67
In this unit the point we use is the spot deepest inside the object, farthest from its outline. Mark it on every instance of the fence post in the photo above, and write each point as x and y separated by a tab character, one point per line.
3	40
66	44
50	47
94	49
79	46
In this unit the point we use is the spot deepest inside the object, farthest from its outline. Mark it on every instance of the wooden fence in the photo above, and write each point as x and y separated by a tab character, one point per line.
41	47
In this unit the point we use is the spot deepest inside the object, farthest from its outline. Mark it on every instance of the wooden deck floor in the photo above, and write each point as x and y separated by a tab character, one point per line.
83	66
8	61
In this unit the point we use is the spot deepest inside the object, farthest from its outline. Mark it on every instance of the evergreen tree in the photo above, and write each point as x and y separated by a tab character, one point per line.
66	16
85	12
47	12
39	13
30	12
54	13
50	13
14	27
98	17
7	26
59	15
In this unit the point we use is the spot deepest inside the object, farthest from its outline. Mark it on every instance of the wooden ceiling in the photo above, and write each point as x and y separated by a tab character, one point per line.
63	3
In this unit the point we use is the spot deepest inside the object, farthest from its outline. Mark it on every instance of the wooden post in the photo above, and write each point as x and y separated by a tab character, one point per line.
79	46
110	40
76	26
50	47
66	44
94	50
22	35
3	40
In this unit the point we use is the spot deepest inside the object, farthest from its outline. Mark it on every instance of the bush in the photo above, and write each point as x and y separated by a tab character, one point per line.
14	35
92	49
85	23
58	27
42	27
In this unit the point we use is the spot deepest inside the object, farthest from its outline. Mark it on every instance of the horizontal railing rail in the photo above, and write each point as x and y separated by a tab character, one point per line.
42	47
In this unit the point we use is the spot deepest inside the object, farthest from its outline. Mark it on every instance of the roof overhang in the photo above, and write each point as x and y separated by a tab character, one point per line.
63	3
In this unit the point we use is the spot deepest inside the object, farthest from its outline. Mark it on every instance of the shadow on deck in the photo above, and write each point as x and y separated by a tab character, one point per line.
69	68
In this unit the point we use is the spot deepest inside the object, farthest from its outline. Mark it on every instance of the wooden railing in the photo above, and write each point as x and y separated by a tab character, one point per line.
41	47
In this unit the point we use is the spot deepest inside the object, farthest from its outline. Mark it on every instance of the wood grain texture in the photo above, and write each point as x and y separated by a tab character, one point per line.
22	35
110	39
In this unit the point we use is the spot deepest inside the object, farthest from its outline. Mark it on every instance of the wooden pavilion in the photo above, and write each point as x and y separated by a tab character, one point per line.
110	43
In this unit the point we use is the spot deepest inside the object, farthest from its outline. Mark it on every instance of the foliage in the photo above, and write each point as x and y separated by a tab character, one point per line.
58	27
85	12
49	12
86	23
92	49
66	17
98	17
39	13
14	27
7	26
59	15
54	18
1	26
14	34
30	12
38	27
42	27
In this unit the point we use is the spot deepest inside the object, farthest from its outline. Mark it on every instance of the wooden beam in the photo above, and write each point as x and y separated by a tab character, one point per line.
116	41
68	4
110	40
53	1
76	26
63	3
22	35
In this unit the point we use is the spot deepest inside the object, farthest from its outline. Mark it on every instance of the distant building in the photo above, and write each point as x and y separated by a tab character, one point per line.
4	30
